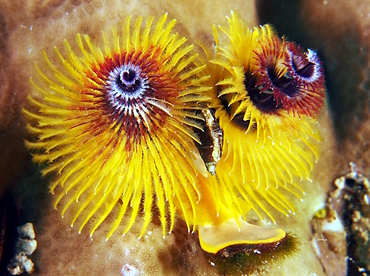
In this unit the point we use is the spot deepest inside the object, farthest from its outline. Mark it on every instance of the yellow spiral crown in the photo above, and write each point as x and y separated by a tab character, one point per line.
114	125
267	150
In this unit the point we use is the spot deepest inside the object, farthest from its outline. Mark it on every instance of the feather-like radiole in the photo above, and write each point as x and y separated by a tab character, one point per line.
295	78
115	126
267	149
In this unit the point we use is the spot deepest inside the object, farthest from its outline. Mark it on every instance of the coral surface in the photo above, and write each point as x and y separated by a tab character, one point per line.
43	24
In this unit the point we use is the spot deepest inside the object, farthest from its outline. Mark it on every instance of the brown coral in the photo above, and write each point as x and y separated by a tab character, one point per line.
45	23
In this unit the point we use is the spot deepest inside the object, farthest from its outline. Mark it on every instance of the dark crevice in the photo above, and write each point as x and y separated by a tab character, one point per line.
262	97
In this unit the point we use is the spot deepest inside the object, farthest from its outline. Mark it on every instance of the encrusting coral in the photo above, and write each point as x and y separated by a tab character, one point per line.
42	25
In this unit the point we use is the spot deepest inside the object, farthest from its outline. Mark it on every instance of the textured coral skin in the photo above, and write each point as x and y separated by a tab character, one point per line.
54	20
114	125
